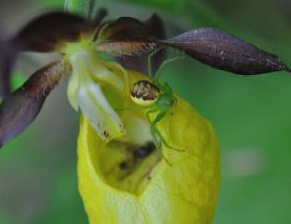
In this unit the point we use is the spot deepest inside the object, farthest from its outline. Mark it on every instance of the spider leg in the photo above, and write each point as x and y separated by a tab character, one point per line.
159	137
155	133
154	130
149	61
164	64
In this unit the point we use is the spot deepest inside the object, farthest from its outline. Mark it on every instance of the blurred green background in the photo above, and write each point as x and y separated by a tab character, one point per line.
251	115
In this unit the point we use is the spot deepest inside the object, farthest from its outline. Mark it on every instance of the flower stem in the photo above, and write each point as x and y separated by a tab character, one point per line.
80	7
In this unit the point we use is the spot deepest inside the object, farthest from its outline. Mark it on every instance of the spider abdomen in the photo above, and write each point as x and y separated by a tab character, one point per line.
144	93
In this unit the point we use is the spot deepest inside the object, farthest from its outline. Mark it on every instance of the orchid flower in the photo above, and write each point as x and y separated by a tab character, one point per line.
83	44
122	178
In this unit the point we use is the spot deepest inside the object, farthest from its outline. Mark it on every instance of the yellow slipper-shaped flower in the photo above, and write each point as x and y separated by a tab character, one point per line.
125	182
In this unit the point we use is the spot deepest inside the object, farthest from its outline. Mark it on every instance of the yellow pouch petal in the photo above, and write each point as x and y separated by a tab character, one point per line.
149	190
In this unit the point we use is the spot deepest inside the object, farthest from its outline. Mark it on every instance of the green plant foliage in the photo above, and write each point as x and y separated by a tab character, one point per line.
192	11
196	12
66	205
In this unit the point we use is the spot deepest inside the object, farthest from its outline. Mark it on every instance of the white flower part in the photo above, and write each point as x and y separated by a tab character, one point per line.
80	62
117	67
98	111
72	90
100	72
84	92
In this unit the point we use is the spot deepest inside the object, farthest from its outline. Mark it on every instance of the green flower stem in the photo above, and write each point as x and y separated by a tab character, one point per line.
80	7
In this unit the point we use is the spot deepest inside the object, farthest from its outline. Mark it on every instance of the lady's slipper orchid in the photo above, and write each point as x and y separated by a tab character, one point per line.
82	41
119	166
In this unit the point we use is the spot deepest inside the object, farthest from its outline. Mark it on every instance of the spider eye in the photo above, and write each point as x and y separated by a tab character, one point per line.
144	93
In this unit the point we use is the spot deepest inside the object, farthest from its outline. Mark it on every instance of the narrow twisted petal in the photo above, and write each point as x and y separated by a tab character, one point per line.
155	27
213	47
125	36
49	31
21	107
224	51
8	52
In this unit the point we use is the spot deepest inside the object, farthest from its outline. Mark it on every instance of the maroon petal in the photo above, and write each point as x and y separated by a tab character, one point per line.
124	28
224	51
21	107
101	13
125	36
155	28
46	32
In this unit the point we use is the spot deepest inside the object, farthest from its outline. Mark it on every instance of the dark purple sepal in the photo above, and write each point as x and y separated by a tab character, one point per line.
22	106
8	53
155	28
48	31
224	51
125	36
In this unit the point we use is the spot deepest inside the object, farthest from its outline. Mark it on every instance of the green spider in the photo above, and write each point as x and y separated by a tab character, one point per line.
157	98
